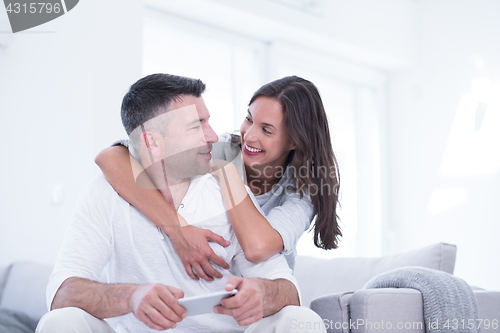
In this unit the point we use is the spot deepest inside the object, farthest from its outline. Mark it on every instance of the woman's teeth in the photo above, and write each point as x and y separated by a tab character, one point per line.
253	150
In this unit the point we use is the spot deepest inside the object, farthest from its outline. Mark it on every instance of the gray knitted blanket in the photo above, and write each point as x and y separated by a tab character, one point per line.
446	298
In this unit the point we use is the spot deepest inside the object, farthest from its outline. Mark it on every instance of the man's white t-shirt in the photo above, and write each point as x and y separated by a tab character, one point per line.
106	231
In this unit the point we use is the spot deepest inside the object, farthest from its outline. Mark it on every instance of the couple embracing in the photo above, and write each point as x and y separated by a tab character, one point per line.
171	219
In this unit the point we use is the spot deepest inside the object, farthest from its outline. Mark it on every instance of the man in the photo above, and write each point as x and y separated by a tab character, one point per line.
167	122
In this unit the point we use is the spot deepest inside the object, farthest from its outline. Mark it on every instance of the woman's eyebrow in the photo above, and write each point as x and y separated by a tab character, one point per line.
265	124
270	125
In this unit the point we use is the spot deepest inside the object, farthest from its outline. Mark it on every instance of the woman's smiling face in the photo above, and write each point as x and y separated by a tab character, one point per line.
264	140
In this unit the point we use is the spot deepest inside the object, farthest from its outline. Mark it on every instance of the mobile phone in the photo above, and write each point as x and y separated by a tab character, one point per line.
202	304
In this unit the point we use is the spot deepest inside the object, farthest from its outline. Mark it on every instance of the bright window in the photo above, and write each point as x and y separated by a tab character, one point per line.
233	67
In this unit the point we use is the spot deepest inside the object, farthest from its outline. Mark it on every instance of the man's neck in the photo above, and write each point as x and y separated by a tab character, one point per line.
172	188
175	193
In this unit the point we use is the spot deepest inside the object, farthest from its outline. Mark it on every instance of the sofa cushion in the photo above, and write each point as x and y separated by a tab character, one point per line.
488	304
319	277
25	289
334	310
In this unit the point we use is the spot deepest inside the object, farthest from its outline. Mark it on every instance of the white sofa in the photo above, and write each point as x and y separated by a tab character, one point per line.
22	296
331	287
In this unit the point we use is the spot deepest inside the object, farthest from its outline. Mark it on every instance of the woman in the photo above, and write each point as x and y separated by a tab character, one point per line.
284	153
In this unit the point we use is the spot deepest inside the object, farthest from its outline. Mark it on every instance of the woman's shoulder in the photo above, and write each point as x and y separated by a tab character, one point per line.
224	137
231	138
227	148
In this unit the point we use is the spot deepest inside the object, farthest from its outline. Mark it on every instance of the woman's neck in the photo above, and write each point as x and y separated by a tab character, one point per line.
262	178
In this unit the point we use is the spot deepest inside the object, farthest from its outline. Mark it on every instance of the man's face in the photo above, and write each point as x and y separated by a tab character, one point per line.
189	137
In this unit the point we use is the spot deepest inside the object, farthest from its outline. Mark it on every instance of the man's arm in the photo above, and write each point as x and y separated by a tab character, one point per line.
156	305
100	300
86	247
277	294
257	298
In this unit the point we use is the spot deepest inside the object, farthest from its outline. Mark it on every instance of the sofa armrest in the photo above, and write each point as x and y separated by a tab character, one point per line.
377	310
4	274
488	303
25	289
386	310
334	310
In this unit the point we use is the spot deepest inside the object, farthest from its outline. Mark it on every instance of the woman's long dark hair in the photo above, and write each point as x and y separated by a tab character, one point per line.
307	127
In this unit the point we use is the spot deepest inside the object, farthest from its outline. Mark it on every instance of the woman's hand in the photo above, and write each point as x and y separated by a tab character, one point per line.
191	245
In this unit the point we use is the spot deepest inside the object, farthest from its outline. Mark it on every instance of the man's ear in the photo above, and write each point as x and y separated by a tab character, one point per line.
150	140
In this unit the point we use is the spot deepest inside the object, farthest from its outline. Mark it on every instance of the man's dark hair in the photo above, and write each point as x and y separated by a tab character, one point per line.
153	94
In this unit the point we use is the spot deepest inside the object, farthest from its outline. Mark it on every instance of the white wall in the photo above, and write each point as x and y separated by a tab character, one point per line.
61	86
423	106
377	33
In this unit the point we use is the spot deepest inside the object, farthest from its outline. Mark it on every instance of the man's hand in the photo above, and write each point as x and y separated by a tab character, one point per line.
191	245
157	306
247	306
